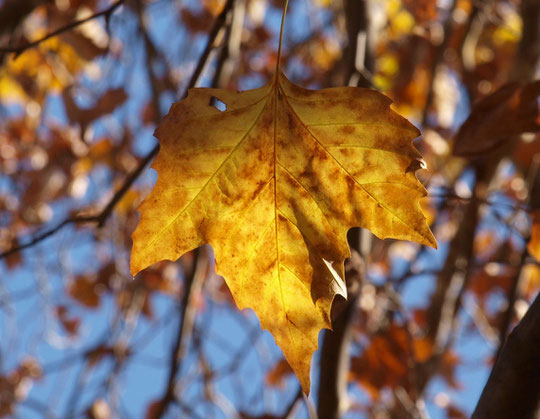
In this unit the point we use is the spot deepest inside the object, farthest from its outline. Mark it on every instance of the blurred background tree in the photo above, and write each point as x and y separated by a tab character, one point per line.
83	84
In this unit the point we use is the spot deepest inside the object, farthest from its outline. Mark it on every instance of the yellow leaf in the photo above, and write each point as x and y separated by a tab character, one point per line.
273	183
10	90
323	3
531	281
534	243
35	74
402	23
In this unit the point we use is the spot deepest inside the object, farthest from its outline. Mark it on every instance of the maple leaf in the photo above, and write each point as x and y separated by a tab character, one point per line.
273	184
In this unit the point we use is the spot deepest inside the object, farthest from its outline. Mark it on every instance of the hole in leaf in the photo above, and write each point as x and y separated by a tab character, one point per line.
416	165
218	104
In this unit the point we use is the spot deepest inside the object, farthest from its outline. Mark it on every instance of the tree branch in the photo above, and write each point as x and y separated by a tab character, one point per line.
47	233
13	12
513	387
359	55
513	293
99	219
334	362
192	285
438	59
21	48
528	54
102	217
218	24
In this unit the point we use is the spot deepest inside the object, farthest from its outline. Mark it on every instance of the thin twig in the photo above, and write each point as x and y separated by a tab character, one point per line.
289	409
126	185
42	236
193	284
218	25
151	53
21	48
102	217
523	206
513	292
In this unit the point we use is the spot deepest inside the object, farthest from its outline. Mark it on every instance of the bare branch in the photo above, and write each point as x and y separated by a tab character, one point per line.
13	12
126	185
359	54
513	388
193	284
21	48
218	26
102	217
334	362
47	233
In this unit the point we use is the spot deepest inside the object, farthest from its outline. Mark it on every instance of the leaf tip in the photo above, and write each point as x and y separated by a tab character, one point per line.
305	384
431	241
134	269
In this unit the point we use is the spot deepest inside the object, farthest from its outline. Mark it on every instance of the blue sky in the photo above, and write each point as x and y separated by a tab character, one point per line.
38	286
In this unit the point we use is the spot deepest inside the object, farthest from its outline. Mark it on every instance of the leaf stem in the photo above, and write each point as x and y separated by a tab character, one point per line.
281	37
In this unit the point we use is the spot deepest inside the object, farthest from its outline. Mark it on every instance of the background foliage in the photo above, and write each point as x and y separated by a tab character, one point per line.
422	327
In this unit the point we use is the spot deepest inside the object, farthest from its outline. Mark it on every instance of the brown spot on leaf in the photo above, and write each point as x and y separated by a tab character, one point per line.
242	177
260	186
347	129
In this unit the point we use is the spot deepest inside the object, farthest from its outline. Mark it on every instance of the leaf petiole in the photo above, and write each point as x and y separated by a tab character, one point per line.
281	38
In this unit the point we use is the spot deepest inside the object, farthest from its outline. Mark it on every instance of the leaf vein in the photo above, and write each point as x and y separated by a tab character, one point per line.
344	169
150	242
307	190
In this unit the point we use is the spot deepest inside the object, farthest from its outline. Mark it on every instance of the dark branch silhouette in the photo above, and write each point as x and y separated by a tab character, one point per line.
513	388
99	218
17	50
102	217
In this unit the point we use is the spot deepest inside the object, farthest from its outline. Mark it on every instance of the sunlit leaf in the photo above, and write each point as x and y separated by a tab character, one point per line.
273	184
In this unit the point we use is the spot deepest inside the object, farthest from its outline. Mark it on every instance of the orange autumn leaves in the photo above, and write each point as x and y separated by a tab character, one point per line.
497	120
534	243
274	183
